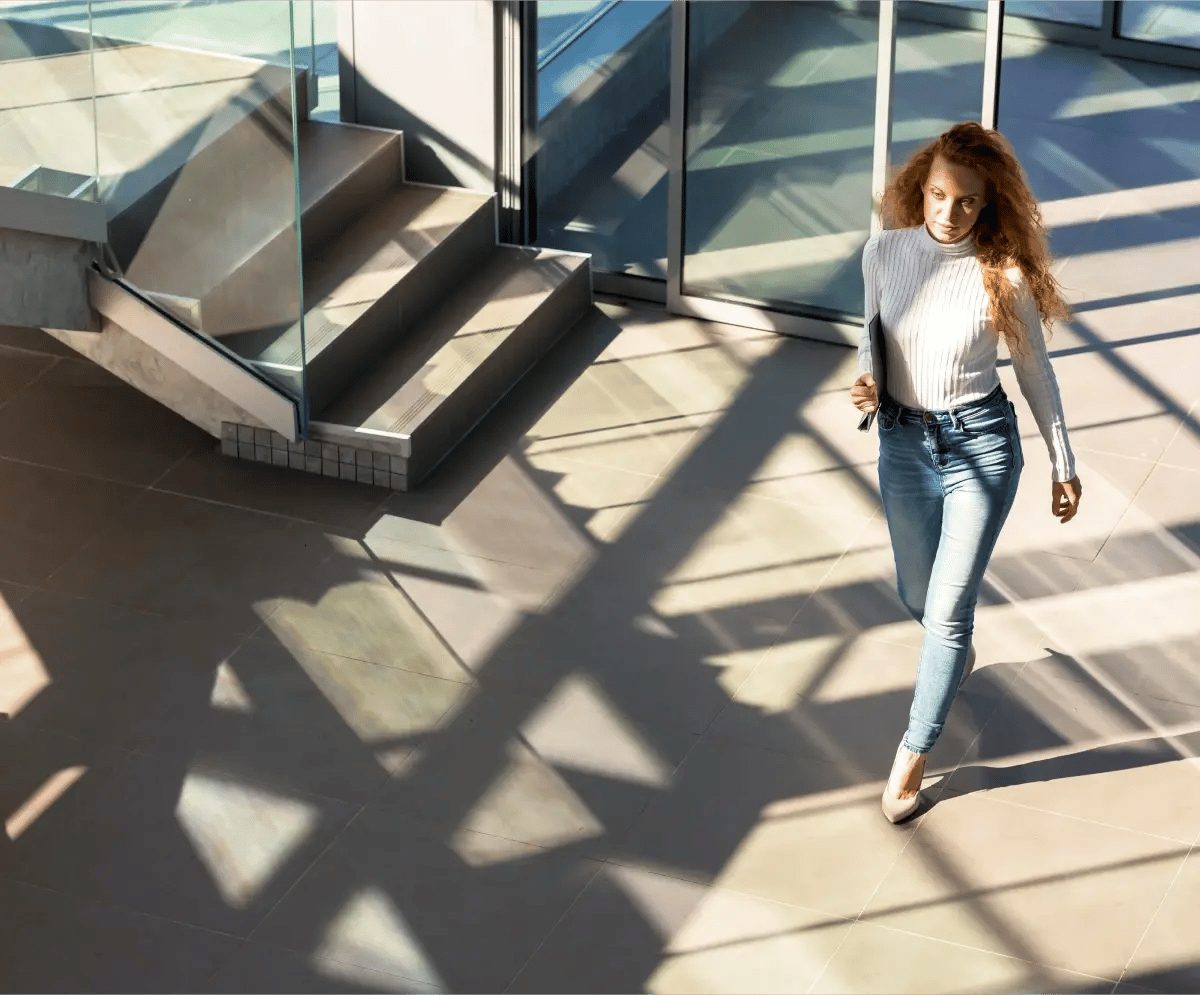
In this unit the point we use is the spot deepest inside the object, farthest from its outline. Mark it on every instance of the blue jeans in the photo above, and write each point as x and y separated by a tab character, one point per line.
948	480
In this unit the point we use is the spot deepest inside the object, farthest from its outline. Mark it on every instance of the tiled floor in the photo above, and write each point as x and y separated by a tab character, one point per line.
608	705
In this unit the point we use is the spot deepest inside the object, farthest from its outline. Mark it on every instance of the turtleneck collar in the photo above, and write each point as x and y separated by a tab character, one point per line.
963	247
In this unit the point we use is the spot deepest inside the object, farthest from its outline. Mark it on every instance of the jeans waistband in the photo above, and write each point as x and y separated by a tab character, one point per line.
903	414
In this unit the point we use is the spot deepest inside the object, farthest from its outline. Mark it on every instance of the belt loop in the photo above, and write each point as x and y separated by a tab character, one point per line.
956	420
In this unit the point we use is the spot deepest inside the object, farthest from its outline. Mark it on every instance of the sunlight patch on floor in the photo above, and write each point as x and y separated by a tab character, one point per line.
242	834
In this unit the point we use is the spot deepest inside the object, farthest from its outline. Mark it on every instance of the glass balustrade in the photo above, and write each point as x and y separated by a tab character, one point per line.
48	138
183	120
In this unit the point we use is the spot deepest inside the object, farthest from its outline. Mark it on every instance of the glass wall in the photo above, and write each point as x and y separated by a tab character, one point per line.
603	79
1165	23
938	78
1103	140
780	129
1088	13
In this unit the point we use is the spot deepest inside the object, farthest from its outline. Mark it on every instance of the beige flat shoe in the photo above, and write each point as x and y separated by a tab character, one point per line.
902	794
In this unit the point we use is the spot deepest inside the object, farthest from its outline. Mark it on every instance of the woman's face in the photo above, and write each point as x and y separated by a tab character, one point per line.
954	198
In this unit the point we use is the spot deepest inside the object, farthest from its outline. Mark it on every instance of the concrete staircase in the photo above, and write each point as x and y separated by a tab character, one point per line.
416	322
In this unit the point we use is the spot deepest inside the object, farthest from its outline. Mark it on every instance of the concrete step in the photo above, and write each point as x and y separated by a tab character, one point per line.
372	284
421	399
216	243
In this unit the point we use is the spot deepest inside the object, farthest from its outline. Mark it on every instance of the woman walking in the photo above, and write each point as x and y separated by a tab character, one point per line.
962	261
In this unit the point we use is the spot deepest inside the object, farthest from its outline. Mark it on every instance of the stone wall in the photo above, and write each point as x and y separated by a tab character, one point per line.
43	281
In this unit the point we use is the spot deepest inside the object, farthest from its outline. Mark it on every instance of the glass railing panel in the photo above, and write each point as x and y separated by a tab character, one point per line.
47	107
602	137
197	168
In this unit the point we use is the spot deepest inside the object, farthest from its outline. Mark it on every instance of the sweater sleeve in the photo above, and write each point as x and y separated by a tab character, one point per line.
1035	377
870	270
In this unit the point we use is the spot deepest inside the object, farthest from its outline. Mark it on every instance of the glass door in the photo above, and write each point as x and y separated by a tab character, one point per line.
728	157
779	140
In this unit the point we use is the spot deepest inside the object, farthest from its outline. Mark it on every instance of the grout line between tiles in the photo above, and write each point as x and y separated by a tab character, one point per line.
304	873
558	922
71	473
179	462
985	950
420	613
1166	894
118	907
1075	818
55	360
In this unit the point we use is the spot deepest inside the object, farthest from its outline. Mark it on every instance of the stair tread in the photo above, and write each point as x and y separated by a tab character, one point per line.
256	204
412	381
370	258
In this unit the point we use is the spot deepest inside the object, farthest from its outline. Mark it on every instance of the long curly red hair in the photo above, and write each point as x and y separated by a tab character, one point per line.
1008	231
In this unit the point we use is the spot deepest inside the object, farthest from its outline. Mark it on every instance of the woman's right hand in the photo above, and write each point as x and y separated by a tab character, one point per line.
863	394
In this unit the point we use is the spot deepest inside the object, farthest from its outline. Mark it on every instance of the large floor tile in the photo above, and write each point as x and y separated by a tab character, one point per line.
846	702
18	369
679	937
314	723
363	614
526	573
770	825
654	671
1026	883
37	768
396	896
1109	482
102	673
1184	448
1165	497
599	501
194	559
1166	960
194	847
48	515
53	942
1067	742
19	340
53	423
886	960
257	967
1152	541
208	474
570	771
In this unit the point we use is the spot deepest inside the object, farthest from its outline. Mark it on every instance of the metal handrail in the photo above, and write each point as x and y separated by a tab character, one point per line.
571	37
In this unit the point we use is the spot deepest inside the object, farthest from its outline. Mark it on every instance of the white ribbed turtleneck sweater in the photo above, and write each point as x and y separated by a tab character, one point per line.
941	347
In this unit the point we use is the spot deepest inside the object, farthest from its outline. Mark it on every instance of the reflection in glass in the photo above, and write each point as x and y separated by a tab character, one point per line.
47	114
1166	23
1089	13
938	81
197	168
780	132
1106	142
602	137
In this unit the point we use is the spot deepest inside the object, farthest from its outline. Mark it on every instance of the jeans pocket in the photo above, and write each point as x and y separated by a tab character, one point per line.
991	421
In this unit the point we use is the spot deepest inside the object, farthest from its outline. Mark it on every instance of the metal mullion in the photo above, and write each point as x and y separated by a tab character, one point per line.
884	72
529	122
992	44
1108	23
766	320
676	177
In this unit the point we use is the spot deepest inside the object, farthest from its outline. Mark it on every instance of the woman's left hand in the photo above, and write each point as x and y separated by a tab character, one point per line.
1065	500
